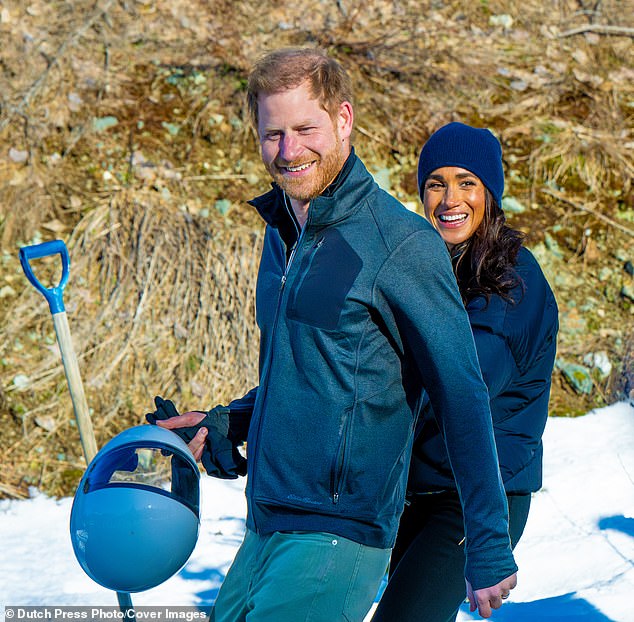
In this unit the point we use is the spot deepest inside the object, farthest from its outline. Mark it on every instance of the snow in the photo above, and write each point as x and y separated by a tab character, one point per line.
576	557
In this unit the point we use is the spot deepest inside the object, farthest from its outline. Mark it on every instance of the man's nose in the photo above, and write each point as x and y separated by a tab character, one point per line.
289	147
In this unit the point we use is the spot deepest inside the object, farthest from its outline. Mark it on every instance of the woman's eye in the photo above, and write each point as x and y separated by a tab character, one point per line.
468	182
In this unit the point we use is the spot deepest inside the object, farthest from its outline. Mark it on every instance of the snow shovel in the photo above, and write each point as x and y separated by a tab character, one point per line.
54	297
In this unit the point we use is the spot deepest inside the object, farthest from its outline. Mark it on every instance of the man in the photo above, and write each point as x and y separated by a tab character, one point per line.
359	315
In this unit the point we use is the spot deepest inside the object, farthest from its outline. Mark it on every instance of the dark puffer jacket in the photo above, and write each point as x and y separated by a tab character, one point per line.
516	344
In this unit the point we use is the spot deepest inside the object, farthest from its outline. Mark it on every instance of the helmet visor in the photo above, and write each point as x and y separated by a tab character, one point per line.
147	468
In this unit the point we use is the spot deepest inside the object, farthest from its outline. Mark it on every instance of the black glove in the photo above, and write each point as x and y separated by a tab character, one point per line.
220	456
165	409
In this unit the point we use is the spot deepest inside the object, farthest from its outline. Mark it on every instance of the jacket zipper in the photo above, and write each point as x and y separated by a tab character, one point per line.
341	459
290	259
280	295
299	232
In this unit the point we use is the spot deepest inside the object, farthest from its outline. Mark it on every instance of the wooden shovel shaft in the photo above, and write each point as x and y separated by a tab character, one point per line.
75	386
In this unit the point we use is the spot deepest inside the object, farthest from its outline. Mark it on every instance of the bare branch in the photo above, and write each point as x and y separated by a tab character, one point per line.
588	210
599	29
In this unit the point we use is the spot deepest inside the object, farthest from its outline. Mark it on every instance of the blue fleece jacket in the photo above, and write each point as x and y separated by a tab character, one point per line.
359	313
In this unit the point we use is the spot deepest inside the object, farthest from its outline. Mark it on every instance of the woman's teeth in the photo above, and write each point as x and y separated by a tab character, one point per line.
452	217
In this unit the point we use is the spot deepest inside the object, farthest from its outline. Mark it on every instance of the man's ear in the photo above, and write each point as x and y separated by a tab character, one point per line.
345	119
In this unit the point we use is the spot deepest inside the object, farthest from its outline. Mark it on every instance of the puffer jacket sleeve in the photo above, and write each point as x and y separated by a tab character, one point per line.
496	360
419	301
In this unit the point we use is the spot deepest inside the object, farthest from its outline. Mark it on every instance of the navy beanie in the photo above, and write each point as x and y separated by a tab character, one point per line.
474	149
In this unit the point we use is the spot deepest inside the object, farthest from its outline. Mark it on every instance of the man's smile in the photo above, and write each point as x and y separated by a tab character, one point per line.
295	168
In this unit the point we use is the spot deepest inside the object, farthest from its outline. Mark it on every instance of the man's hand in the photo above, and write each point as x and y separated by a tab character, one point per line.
489	598
189	420
207	434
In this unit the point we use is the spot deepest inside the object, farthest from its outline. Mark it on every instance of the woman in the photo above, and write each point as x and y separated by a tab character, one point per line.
513	316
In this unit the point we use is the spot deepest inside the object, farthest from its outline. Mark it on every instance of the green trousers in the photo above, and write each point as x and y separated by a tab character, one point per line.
300	577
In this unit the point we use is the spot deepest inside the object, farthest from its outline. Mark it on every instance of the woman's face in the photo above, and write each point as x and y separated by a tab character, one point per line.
454	200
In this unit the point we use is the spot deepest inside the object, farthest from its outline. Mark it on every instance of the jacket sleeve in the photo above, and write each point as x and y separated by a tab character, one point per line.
425	315
240	411
495	358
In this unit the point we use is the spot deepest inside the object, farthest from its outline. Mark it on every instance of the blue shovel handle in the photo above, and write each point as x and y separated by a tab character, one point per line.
52	294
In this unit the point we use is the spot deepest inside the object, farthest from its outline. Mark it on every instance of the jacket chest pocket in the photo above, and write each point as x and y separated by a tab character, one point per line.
326	275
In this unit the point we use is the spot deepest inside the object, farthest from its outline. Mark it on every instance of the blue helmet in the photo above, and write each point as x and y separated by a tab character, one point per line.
136	512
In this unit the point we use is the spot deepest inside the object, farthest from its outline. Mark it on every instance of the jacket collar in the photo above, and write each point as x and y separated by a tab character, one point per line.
337	201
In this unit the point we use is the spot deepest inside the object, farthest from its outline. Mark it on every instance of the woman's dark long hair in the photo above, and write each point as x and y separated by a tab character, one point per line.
484	264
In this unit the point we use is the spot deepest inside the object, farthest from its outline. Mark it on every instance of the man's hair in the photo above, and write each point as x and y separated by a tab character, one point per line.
288	68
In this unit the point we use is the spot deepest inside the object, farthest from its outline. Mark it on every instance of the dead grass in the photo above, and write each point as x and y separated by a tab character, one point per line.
160	304
126	134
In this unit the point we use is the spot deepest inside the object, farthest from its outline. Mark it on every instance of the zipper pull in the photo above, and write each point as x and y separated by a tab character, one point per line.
319	242
335	498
